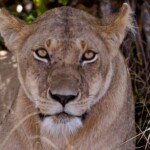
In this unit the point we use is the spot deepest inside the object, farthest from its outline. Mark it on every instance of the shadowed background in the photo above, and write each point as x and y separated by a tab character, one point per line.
136	49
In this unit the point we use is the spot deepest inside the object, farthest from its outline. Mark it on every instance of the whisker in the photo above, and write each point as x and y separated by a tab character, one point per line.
42	100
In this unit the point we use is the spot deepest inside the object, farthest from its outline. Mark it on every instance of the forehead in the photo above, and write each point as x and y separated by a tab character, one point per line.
65	23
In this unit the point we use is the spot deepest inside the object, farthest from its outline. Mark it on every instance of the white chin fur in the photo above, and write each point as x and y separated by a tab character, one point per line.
55	129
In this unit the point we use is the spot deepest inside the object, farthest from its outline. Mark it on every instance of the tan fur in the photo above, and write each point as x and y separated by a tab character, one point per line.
102	86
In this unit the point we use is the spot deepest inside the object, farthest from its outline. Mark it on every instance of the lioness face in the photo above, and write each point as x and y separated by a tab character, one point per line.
64	71
64	62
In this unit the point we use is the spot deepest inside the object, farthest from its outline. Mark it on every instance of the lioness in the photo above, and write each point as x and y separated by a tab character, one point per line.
75	89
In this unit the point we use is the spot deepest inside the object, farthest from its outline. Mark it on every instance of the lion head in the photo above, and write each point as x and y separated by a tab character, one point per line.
65	62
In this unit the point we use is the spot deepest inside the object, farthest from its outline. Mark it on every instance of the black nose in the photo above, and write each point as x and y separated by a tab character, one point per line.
63	99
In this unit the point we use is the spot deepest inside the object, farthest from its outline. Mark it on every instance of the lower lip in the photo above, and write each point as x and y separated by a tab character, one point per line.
43	116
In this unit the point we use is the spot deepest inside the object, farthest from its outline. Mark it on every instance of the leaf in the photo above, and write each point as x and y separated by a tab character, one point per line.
40	6
63	2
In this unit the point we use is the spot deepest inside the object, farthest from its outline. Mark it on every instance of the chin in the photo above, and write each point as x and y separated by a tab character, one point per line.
61	124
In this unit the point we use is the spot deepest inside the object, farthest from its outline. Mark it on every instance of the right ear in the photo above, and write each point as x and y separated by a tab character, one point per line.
114	30
10	29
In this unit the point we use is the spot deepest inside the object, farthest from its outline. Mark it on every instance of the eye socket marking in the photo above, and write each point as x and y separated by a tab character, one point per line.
89	56
41	54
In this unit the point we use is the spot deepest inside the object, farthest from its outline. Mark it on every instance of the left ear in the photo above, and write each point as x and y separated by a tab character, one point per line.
114	32
10	29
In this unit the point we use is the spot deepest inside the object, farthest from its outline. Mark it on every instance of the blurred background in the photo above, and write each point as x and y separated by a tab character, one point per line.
136	48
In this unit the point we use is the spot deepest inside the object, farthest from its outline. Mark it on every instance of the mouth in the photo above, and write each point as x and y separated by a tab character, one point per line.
62	115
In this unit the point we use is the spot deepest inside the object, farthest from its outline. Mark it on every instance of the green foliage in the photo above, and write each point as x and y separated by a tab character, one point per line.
63	2
40	6
30	17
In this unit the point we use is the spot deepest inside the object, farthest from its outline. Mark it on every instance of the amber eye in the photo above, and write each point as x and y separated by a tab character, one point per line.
89	56
41	54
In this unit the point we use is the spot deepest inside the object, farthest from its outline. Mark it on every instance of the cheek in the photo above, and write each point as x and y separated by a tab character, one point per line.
36	83
95	84
31	85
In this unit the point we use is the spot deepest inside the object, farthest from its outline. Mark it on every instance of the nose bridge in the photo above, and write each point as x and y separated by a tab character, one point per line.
65	81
